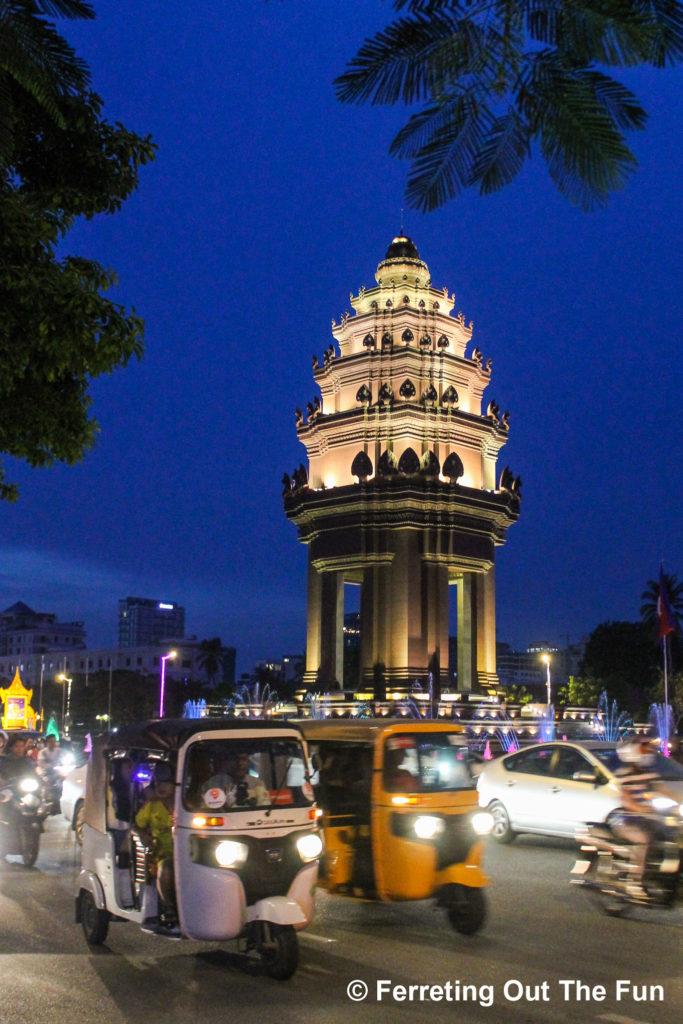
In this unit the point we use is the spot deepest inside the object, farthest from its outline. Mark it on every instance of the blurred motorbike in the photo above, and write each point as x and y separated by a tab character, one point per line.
22	813
604	866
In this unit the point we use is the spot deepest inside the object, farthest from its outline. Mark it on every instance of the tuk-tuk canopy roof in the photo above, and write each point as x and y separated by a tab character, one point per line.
166	734
369	729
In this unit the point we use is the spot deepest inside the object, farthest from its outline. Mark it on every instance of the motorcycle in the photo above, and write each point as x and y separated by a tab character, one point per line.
605	868
22	812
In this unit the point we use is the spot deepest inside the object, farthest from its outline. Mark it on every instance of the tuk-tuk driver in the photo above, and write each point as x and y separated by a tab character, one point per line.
241	788
396	775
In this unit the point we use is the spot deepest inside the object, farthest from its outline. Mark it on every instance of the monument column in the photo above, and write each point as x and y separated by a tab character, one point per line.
486	628
466	632
331	674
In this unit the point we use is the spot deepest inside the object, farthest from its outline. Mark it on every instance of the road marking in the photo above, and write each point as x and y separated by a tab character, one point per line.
317	938
616	1018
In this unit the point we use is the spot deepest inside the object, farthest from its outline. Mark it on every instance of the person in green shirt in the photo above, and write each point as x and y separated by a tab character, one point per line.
153	824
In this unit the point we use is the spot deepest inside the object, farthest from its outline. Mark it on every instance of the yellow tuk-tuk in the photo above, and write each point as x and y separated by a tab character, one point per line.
400	813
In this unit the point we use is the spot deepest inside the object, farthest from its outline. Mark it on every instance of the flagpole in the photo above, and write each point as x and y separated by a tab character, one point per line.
666	683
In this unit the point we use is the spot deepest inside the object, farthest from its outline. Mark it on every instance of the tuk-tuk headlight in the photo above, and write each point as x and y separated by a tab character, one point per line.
229	853
482	823
428	827
309	846
28	785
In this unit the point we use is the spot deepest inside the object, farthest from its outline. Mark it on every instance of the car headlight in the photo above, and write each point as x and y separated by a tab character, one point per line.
482	823
309	846
28	785
427	826
229	853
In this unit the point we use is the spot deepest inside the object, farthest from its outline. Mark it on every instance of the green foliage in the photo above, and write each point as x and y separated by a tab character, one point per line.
583	692
59	160
494	80
518	695
623	659
210	658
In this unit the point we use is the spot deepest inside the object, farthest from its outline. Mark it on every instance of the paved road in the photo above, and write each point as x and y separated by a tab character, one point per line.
539	960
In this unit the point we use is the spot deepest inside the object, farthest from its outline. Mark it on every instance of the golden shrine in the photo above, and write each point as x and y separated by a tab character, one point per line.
17	701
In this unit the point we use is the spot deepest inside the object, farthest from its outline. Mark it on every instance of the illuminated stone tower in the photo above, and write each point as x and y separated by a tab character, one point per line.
401	494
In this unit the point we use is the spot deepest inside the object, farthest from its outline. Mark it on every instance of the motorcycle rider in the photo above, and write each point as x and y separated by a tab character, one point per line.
14	764
637	822
48	760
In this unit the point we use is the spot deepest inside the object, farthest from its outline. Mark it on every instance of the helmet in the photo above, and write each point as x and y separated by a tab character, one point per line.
637	753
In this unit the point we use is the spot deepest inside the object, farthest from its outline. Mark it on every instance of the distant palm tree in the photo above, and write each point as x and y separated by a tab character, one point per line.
37	61
650	599
210	657
496	79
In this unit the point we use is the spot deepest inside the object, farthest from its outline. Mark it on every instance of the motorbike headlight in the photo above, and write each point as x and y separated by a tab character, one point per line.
482	823
663	803
428	827
229	853
28	785
309	846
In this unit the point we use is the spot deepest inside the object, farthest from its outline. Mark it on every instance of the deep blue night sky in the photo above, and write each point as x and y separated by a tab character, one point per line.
268	204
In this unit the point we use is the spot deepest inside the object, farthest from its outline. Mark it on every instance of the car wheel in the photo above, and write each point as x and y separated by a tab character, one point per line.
77	823
501	831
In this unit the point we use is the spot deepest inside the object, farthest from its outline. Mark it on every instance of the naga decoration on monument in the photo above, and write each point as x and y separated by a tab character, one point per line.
401	494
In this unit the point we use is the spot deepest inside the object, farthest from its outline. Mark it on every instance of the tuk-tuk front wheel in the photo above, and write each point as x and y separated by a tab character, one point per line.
95	922
279	950
466	908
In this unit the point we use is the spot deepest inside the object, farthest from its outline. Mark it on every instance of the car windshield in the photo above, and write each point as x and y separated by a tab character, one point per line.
236	774
667	769
426	763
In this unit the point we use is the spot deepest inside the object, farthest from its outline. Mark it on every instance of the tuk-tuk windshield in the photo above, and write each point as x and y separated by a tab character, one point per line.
423	762
236	774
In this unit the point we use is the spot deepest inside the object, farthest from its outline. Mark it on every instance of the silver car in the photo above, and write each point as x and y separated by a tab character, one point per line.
73	793
551	788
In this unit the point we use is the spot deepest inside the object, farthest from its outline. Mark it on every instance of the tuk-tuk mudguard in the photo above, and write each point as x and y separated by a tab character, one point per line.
302	890
278	910
470	875
468	872
88	881
212	905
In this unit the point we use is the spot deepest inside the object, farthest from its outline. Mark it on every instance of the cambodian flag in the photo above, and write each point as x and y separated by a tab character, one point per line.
665	614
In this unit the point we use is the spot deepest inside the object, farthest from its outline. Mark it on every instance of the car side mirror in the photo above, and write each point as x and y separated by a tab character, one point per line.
585	777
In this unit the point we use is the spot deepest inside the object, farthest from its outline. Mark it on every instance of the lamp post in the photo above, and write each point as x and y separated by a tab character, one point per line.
164	659
546	659
63	678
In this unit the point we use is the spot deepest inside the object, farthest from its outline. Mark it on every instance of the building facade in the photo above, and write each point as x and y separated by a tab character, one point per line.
26	637
144	621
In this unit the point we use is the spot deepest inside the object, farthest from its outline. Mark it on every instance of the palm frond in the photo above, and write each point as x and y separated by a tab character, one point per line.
444	166
502	154
667	48
586	154
417	59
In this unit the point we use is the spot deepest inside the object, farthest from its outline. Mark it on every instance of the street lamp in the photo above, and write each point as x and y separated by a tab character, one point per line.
546	659
164	659
62	678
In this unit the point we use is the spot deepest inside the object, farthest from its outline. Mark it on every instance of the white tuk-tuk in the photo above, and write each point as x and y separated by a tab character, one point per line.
245	838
